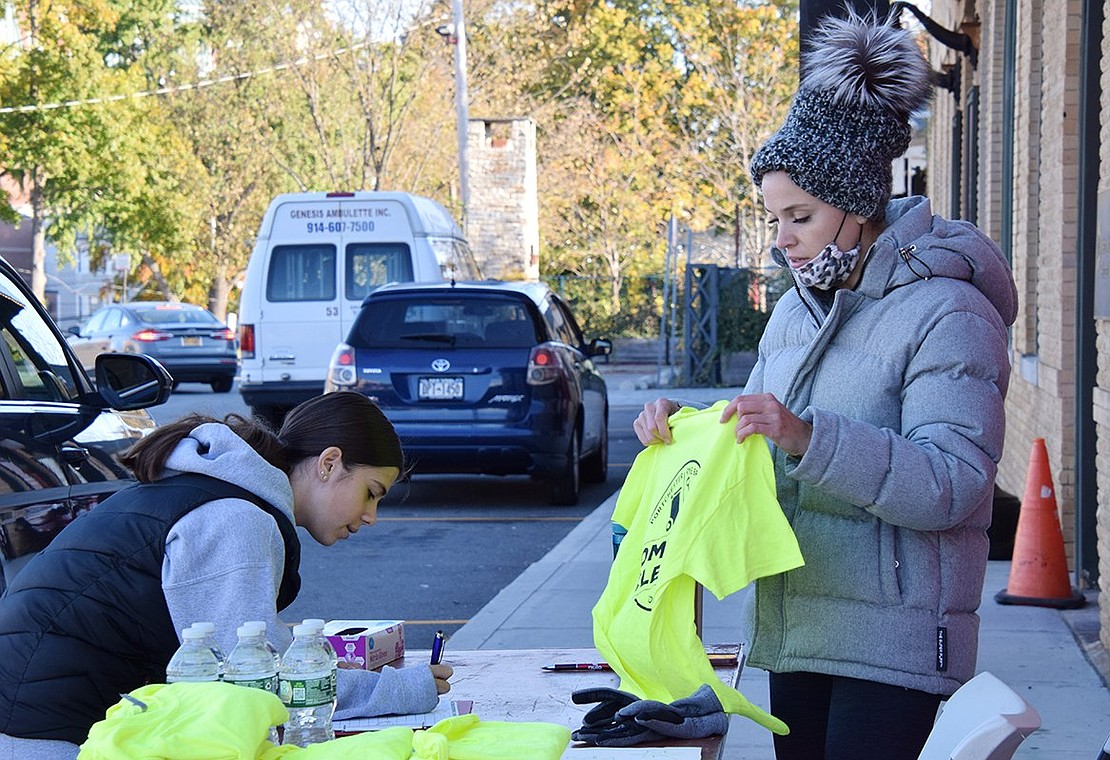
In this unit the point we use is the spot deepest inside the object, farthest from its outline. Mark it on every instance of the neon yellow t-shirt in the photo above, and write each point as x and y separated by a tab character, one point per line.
701	510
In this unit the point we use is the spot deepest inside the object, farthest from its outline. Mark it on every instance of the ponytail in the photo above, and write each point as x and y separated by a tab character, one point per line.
345	419
147	458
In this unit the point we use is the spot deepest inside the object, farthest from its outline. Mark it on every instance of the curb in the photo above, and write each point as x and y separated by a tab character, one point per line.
493	616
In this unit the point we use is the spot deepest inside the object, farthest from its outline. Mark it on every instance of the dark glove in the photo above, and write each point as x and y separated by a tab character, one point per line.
602	727
698	715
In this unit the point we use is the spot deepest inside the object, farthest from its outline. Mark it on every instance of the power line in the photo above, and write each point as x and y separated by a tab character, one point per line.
200	84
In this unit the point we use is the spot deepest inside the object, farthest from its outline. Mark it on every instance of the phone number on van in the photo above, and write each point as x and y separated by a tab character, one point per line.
340	226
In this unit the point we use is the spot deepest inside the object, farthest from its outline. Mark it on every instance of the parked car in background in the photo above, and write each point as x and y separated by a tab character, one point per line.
188	340
482	377
316	256
60	436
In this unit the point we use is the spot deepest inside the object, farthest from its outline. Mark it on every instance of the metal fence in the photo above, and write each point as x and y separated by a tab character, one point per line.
742	302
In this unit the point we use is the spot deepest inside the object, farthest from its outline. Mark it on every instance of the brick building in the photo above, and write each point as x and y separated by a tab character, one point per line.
1019	143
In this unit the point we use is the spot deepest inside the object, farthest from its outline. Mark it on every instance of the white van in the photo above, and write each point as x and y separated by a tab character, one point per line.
316	257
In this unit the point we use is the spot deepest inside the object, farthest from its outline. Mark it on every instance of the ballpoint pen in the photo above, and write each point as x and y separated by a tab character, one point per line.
715	658
437	647
578	666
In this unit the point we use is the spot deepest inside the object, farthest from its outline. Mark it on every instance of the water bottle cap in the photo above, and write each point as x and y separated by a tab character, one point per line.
246	630
316	623
192	634
259	625
205	626
303	630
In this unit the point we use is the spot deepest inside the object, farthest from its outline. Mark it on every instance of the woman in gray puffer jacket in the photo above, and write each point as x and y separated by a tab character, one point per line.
880	383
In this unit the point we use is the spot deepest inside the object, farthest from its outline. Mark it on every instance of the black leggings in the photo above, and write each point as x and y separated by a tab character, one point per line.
836	718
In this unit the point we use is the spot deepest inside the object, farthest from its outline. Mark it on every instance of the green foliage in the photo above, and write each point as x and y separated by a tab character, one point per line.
746	300
638	315
645	109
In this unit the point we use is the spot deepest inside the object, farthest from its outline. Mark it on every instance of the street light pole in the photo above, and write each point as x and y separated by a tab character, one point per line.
462	115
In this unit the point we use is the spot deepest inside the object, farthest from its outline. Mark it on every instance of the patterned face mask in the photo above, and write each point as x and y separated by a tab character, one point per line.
831	266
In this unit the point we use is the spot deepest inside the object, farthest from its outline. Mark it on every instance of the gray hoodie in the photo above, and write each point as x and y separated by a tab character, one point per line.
224	562
903	379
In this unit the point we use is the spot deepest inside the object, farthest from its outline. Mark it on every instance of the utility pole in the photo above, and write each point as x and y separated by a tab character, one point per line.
462	113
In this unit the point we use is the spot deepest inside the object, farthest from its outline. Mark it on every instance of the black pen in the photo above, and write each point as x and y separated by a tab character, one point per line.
437	647
578	666
715	658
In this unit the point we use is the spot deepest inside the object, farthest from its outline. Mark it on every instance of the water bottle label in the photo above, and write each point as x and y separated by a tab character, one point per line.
264	682
307	692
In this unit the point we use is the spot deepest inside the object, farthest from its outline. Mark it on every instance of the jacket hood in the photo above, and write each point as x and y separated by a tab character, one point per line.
213	449
917	245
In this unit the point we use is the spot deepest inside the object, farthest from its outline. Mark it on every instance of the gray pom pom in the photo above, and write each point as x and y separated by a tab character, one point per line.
861	63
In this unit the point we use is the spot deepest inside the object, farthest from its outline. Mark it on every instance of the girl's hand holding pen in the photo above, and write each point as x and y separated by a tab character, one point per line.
441	673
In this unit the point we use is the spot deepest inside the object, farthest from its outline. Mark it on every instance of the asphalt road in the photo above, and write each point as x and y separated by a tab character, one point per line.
443	546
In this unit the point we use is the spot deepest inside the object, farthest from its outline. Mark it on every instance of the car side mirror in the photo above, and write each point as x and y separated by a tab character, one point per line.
132	381
74	330
600	347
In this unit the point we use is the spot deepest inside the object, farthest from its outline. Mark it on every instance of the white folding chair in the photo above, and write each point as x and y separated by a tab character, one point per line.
984	720
1105	753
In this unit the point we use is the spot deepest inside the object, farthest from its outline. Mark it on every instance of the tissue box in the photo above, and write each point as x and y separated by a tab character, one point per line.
369	644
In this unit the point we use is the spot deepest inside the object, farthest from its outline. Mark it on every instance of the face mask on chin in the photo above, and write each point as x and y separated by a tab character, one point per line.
831	266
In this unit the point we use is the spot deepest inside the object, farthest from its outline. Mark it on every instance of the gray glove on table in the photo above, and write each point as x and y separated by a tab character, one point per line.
694	717
601	726
622	720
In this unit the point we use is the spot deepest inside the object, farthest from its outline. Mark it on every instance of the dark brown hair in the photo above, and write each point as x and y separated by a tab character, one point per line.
345	419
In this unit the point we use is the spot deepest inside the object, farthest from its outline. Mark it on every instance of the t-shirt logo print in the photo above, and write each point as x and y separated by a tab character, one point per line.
663	516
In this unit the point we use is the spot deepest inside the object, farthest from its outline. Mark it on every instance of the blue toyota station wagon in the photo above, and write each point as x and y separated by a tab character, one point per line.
482	377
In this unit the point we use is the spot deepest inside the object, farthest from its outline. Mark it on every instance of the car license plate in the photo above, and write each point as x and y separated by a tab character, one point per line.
440	388
190	341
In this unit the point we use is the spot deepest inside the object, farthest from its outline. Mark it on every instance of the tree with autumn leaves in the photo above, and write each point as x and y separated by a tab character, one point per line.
644	110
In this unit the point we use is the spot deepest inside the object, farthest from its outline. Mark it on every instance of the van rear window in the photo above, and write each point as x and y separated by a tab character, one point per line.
301	273
371	265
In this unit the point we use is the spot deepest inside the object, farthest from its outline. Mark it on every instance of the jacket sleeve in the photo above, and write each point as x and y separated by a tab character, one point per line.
394	691
940	468
223	564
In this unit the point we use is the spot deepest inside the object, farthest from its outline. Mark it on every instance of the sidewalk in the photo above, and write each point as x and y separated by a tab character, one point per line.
1052	658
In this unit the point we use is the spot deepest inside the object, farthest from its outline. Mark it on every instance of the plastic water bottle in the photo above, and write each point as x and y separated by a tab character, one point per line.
306	684
193	661
210	641
318	627
260	626
251	664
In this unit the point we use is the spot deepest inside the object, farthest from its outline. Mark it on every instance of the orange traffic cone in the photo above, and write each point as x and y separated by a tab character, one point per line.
1039	569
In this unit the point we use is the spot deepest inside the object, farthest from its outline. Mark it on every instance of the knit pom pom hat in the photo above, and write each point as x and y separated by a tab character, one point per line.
850	117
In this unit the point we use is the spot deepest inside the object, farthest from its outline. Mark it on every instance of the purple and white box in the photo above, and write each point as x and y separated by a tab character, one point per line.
367	644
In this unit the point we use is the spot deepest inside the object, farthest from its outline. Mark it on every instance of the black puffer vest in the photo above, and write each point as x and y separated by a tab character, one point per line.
86	619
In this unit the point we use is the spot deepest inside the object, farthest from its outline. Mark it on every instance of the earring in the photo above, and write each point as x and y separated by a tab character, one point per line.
323	475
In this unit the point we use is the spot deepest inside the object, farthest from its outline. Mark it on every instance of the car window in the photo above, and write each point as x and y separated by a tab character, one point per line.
301	273
456	262
175	315
371	265
453	320
112	319
96	321
557	319
32	351
466	268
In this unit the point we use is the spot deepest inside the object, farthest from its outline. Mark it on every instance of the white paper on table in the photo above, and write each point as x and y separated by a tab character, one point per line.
445	709
632	753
